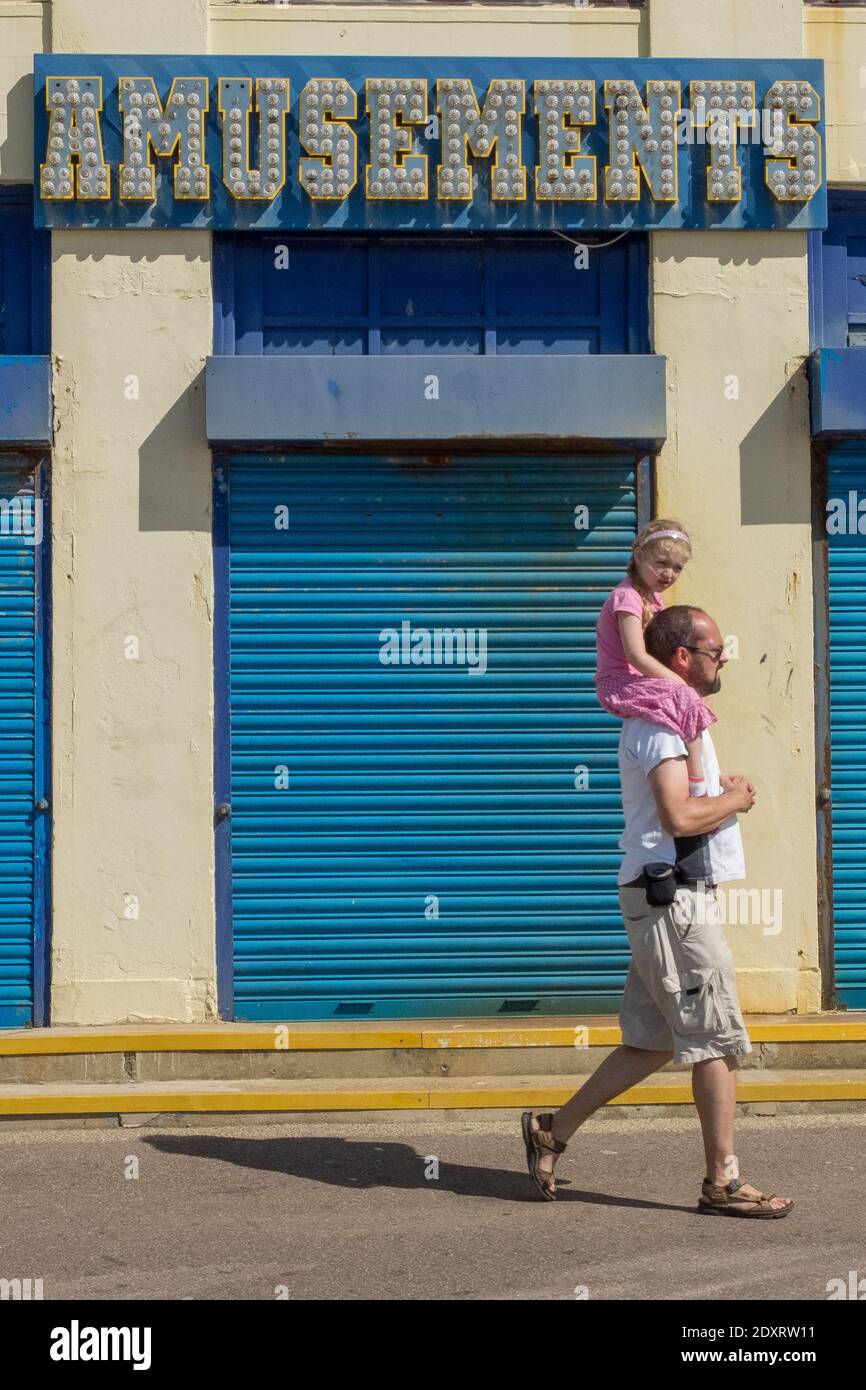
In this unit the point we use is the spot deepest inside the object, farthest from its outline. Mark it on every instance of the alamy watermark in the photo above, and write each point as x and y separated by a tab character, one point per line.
846	516
755	907
855	1288
77	1343
21	1290
436	646
21	516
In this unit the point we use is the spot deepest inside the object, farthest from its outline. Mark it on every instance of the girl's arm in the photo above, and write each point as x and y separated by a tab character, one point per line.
631	635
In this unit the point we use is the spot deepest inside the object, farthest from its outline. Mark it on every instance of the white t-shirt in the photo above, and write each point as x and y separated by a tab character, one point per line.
716	857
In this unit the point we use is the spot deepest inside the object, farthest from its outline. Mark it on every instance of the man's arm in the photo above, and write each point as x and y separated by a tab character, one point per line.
681	814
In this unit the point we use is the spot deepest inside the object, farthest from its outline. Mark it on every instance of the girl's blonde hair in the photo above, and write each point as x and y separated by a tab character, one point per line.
660	545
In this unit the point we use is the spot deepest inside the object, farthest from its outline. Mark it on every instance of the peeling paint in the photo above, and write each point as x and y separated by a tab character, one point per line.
200	598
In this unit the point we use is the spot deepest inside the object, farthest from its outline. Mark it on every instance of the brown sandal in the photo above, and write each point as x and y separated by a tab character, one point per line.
536	1141
723	1201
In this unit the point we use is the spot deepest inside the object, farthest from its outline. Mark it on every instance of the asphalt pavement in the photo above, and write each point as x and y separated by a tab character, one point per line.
427	1209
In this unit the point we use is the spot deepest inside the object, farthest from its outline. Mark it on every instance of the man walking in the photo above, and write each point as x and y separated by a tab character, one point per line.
680	1001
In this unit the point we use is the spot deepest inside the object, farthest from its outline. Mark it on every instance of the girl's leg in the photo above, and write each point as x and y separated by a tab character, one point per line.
697	783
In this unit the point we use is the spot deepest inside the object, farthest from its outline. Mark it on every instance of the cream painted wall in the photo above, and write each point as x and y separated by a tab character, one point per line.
733	28
122	26
731	315
133	738
555	30
839	37
21	35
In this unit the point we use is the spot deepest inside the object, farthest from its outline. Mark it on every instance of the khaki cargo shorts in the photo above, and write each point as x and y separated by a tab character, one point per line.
681	991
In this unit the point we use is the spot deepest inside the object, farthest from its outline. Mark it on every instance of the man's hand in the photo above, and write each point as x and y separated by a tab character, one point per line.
742	786
735	780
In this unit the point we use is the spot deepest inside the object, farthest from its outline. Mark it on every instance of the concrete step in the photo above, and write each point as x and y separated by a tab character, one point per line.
758	1091
470	1048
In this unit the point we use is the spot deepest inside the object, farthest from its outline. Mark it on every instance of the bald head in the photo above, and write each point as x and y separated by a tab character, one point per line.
672	628
689	643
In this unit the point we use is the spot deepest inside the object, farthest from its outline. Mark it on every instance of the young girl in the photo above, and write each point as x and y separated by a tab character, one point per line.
629	682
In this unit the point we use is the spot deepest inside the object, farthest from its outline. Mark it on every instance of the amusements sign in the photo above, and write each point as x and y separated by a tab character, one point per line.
340	144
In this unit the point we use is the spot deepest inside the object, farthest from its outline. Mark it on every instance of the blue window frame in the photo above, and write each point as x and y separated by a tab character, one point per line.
379	295
838	274
24	277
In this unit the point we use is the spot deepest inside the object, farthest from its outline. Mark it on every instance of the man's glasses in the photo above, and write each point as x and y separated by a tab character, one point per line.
715	655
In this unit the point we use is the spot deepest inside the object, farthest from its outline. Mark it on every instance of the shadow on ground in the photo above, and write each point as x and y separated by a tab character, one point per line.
365	1164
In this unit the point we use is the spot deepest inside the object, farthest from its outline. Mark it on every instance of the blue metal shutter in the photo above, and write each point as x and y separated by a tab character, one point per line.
18	684
431	855
846	474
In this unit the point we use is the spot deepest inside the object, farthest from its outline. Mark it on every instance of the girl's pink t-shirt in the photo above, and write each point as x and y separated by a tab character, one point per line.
611	657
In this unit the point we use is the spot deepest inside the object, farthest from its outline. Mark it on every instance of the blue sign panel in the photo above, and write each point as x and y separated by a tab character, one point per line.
410	144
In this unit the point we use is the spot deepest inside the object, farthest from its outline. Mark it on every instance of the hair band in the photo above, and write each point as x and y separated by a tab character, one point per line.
661	535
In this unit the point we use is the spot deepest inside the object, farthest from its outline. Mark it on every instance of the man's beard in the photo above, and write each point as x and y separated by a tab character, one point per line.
710	687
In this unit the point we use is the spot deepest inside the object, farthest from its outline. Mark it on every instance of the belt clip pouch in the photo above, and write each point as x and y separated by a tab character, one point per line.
661	884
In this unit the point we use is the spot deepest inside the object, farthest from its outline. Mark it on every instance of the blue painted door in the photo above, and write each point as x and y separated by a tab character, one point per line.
424	791
23	827
846	551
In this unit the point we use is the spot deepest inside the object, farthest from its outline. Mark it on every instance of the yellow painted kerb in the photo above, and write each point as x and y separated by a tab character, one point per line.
106	1100
354	1037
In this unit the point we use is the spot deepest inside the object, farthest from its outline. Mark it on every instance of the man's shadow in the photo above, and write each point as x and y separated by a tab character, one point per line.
369	1163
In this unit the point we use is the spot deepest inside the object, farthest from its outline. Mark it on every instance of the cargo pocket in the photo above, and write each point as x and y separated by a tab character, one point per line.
694	1000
